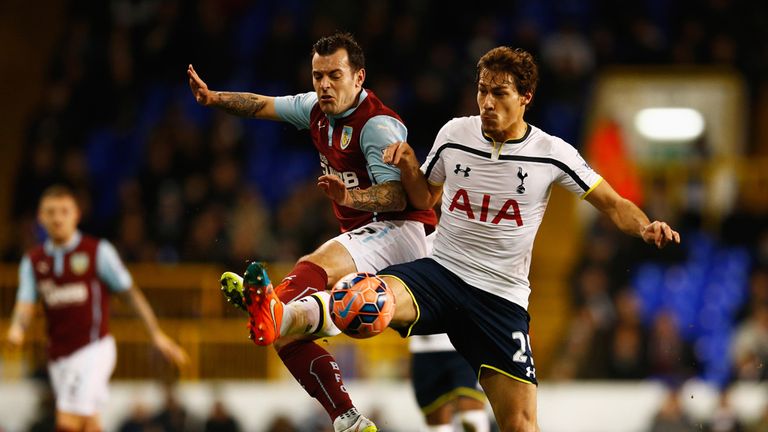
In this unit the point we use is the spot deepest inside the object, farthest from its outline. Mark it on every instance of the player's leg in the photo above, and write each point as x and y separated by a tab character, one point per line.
70	422
471	414
310	364
307	310
368	249
513	401
80	383
493	336
93	424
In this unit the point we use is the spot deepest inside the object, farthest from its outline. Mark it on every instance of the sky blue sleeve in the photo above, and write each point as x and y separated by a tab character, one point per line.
378	133
296	109
110	268
26	292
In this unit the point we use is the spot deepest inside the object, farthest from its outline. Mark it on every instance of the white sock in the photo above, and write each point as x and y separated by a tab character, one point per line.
302	316
474	420
440	428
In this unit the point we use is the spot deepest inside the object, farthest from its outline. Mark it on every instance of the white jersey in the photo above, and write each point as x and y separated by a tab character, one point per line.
494	197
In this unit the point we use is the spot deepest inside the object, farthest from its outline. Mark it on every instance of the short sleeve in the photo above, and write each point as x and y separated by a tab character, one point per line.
576	175
433	166
27	291
296	109
378	133
110	268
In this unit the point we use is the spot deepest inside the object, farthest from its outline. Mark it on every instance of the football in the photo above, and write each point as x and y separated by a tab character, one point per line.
362	305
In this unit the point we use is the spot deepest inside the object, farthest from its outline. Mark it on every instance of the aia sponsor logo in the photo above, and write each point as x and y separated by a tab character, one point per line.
509	210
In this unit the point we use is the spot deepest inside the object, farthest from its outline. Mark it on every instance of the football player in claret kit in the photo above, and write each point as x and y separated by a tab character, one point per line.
494	172
74	275
350	127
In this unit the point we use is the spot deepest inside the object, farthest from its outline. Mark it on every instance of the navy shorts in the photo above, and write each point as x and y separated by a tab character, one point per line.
442	376
489	331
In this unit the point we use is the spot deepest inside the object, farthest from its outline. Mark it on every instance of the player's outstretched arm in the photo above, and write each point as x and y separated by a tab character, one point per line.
21	318
629	218
421	193
382	197
167	347
240	104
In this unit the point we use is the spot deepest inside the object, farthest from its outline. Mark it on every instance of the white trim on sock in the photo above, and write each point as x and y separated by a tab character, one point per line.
477	419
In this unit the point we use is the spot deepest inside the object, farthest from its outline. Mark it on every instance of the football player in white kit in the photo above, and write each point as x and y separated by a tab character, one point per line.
494	173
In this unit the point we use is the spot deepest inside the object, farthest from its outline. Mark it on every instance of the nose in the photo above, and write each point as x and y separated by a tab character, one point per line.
486	102
325	82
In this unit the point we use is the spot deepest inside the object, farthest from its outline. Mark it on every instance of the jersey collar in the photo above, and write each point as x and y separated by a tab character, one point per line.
50	248
510	141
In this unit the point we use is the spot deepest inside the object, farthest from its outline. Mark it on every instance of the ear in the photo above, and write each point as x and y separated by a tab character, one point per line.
360	77
526	99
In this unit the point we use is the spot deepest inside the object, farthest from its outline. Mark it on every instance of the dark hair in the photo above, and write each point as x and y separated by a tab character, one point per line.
514	61
330	44
58	191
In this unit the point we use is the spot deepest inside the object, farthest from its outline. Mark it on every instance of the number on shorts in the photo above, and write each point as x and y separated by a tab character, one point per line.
520	356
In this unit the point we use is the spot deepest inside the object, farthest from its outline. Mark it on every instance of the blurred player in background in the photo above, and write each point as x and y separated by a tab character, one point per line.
445	386
74	275
494	172
350	127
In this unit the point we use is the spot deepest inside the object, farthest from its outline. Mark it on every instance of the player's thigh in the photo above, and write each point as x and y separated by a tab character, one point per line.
70	421
334	258
513	402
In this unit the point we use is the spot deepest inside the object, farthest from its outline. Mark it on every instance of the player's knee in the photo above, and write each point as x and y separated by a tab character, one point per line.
517	422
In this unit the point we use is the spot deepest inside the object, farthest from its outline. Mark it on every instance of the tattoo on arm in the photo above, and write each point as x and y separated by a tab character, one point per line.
384	197
241	104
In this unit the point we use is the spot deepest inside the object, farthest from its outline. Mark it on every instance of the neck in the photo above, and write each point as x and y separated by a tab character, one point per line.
62	241
515	132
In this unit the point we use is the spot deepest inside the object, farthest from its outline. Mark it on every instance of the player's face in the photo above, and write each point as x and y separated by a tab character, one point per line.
501	106
59	216
337	86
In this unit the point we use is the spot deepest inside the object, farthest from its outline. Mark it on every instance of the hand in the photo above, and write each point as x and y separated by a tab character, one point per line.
334	188
15	337
170	350
199	88
659	233
400	154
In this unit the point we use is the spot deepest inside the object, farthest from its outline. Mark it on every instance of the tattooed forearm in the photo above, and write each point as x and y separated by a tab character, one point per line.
383	197
241	104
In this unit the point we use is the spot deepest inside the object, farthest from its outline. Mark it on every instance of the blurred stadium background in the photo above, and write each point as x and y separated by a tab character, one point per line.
667	99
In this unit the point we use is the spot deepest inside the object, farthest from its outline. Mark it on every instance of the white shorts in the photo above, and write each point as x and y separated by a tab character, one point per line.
81	379
381	244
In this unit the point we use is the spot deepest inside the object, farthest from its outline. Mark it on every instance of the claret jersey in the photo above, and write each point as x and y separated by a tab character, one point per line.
494	197
74	282
350	146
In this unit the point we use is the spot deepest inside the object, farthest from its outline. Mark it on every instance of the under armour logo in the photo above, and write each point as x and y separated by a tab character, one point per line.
465	170
521	176
530	372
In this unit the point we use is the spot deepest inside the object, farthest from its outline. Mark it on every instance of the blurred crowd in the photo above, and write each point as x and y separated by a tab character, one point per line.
169	181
